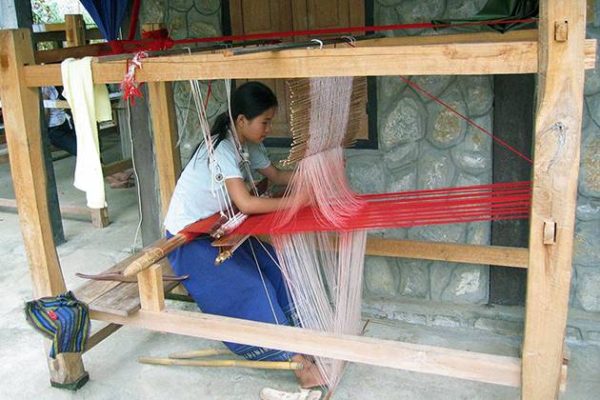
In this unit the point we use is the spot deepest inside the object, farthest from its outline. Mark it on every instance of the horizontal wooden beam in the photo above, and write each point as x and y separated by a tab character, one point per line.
117	166
476	37
61	36
98	336
67	211
452	252
466	58
58	55
461	364
52	104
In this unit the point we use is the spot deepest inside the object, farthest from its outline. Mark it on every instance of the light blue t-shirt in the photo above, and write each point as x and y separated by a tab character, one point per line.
194	197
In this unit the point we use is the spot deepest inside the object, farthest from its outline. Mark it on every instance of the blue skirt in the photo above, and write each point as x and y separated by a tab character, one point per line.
249	285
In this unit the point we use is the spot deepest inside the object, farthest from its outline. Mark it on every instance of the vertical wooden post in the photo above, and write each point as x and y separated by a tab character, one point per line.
164	128
75	30
152	291
555	171
21	113
100	217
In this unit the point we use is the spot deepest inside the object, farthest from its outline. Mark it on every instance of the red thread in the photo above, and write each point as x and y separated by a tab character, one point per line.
500	201
208	93
135	11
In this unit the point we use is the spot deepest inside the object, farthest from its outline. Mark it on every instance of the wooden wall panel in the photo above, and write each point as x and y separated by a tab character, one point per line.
260	16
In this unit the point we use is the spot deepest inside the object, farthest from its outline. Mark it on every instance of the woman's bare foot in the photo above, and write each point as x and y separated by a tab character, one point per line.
309	376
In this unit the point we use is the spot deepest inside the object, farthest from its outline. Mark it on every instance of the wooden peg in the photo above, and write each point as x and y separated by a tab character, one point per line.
561	31
549	232
152	291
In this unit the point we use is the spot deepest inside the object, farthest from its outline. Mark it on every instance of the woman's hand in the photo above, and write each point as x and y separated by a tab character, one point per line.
276	176
246	202
302	199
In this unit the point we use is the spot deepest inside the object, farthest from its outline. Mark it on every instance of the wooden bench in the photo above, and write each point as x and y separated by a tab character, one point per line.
119	298
123	299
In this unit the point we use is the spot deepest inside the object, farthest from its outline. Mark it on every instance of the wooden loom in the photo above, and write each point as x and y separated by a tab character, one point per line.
558	52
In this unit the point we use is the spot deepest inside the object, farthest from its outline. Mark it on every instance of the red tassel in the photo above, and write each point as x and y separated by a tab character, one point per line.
129	86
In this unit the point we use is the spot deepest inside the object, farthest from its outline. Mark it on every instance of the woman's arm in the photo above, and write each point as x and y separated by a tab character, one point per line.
276	176
247	203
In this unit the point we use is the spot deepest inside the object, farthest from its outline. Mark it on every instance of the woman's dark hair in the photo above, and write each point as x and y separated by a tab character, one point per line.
250	100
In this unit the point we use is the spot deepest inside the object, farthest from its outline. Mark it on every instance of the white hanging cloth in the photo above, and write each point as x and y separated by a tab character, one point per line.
89	104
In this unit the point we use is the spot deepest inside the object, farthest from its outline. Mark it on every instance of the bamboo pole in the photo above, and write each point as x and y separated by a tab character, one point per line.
199	353
279	365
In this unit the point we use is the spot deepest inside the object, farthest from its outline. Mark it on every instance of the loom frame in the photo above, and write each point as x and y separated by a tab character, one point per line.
557	51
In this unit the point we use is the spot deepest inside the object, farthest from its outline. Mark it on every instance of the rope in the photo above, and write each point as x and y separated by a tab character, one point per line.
467	119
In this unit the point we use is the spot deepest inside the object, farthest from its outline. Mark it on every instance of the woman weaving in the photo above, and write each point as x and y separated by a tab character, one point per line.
249	285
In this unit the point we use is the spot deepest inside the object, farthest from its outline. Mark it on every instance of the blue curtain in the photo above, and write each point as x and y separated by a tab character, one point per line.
107	14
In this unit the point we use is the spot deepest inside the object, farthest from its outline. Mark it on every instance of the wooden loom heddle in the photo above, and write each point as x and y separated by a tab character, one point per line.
561	64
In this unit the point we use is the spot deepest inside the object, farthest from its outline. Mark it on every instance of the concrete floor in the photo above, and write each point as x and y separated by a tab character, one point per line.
115	373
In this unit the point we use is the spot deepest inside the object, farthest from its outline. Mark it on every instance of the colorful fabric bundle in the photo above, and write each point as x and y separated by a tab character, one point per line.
62	318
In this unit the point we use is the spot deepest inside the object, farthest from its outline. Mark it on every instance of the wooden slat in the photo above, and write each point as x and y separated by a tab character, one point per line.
56	27
57	55
91	290
60	36
52	104
555	172
115	297
21	114
124	299
100	335
500	57
166	152
119	298
412	357
66	211
117	166
452	252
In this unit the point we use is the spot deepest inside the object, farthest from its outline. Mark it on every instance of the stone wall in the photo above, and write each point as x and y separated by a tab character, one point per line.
421	146
186	19
586	274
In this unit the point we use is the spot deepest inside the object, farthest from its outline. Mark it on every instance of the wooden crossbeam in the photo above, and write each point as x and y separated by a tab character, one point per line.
101	334
67	211
463	58
461	364
451	252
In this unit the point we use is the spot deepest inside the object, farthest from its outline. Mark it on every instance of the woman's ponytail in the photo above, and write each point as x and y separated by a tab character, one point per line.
220	127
